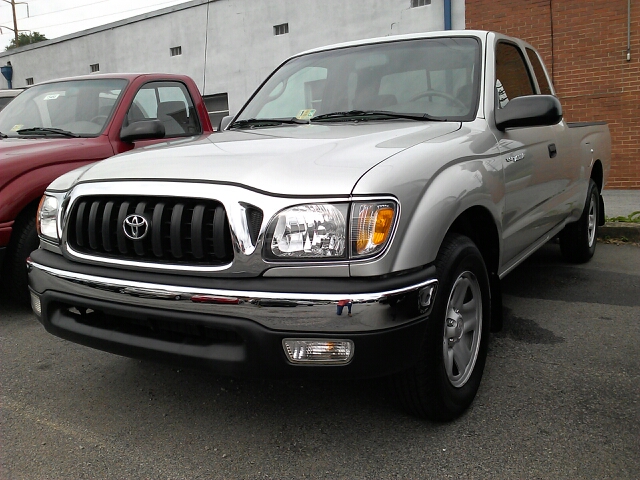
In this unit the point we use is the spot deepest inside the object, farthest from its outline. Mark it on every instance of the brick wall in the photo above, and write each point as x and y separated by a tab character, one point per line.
584	46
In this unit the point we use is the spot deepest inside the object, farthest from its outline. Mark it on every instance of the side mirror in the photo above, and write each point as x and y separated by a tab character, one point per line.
529	111
224	122
142	130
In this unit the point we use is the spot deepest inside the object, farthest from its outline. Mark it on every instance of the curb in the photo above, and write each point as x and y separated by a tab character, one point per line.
630	231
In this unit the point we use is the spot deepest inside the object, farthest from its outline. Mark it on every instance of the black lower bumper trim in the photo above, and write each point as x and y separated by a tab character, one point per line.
225	345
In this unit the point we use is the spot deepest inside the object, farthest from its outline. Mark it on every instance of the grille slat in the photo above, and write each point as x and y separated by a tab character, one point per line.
176	223
80	224
106	226
219	220
178	231
156	229
139	246
122	238
196	231
93	225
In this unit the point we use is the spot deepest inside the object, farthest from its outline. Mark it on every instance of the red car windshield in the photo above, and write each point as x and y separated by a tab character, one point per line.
75	107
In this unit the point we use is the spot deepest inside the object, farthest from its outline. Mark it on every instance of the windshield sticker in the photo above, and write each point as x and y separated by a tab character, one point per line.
306	114
15	128
52	96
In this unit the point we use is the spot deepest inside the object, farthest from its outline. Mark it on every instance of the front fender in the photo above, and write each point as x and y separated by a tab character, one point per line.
456	189
29	187
435	182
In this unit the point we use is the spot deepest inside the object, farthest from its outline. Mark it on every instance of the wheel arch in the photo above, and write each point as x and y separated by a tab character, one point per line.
597	174
477	223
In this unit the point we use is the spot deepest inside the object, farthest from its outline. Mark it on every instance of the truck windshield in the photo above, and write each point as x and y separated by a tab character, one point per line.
69	108
433	78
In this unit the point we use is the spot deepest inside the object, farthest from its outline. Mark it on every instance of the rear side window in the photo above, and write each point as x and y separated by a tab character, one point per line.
512	75
543	83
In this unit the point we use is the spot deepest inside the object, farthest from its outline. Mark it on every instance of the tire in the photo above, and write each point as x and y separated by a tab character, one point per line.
24	240
445	379
578	240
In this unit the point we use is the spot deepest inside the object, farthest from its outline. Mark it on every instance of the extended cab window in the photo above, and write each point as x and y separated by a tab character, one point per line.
168	102
543	83
512	76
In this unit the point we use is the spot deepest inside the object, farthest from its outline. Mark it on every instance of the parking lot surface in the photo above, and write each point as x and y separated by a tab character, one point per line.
560	398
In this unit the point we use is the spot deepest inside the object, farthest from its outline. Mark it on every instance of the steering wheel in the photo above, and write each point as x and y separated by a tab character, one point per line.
446	96
99	119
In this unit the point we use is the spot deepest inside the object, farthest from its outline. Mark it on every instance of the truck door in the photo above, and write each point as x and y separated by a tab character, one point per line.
529	159
167	101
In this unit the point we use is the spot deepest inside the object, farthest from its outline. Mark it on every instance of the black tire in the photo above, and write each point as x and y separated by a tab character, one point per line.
24	240
578	240
435	388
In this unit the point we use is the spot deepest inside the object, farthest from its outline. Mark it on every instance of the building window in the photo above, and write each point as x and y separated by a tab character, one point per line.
281	29
94	67
420	3
175	51
217	107
29	81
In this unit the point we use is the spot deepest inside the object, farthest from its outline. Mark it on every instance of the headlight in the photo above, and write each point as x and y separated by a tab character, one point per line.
319	231
309	231
371	227
47	218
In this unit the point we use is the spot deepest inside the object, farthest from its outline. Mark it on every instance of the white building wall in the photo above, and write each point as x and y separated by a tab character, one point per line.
228	46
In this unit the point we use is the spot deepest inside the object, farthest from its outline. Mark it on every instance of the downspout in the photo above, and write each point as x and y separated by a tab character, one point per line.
628	30
206	44
447	14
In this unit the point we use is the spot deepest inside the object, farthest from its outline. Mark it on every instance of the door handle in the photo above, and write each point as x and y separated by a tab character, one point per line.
552	150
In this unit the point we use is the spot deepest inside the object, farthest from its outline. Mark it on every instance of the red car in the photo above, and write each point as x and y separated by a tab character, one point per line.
57	126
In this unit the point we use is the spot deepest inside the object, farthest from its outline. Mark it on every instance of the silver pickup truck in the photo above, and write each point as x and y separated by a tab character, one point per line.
354	219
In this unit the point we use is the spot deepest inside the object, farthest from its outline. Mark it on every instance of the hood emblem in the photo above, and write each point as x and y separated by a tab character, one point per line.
135	227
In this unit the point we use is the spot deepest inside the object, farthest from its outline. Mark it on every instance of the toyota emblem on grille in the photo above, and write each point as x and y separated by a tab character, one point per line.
135	227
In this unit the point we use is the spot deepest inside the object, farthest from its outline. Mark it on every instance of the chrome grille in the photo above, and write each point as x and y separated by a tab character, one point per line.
177	230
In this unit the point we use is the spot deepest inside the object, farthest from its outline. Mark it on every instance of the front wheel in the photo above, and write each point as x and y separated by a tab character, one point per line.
24	240
578	240
446	378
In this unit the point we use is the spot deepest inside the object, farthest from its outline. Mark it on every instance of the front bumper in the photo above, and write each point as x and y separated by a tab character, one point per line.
233	330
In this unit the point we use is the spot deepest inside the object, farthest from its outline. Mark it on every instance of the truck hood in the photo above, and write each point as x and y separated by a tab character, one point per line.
19	155
315	159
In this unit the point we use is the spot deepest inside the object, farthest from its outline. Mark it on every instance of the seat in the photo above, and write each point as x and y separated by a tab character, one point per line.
381	102
465	94
173	115
134	115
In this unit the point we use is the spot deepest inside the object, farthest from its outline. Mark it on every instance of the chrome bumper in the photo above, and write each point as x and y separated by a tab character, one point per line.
300	312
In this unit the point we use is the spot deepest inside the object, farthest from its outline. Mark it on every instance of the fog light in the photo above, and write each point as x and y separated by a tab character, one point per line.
319	351
35	304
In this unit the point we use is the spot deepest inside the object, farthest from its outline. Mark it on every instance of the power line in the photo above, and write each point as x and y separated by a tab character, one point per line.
41	27
67	9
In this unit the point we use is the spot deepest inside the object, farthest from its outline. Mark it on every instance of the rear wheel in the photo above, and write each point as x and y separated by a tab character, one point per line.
24	240
445	380
578	240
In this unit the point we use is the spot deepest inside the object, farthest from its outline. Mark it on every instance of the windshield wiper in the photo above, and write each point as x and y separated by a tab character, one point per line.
383	114
45	131
266	122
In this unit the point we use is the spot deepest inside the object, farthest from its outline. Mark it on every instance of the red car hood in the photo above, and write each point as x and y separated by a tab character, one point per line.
21	155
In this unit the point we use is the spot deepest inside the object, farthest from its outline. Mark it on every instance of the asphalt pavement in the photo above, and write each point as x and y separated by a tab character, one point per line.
559	400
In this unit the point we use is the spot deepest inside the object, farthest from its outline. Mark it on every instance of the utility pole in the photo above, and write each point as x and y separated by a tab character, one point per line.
13	4
15	21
